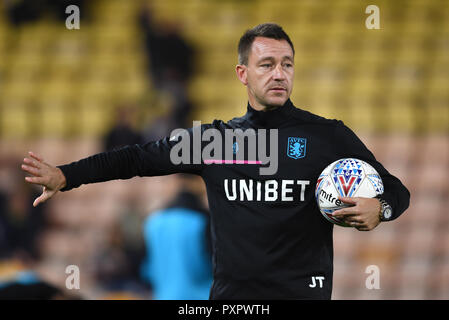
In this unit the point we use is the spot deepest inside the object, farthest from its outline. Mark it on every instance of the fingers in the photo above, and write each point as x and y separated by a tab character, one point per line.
356	224
34	166
359	225
364	228
35	156
36	180
35	160
352	220
359	215
346	212
33	163
356	221
349	200
31	170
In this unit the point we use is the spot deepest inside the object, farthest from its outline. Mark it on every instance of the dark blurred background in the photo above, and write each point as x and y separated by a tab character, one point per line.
135	70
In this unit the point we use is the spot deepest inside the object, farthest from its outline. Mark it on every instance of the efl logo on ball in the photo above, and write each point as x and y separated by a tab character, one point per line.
348	177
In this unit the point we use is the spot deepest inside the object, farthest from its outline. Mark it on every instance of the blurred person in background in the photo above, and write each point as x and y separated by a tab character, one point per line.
28	285
21	228
171	64
170	56
20	12
178	264
123	131
20	223
117	265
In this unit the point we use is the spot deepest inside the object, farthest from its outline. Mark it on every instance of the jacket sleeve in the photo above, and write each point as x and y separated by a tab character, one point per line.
154	158
347	144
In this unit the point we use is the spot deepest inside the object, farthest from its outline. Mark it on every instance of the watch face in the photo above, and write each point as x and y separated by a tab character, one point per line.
387	213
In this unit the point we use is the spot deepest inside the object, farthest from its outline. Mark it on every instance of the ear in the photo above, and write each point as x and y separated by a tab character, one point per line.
241	71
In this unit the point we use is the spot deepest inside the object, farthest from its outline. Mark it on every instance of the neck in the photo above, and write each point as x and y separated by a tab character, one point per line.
261	107
270	108
269	118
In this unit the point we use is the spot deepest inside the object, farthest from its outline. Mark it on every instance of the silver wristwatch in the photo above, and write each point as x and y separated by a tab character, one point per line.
386	212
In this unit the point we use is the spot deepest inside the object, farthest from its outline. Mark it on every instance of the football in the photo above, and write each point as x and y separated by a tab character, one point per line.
348	177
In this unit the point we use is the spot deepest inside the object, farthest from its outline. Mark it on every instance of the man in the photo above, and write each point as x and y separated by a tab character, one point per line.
269	239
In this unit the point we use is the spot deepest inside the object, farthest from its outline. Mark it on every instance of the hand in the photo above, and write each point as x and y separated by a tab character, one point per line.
362	215
44	174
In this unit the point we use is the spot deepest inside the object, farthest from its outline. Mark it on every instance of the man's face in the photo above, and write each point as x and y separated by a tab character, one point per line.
269	73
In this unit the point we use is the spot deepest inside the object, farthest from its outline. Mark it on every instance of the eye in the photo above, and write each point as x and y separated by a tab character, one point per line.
265	65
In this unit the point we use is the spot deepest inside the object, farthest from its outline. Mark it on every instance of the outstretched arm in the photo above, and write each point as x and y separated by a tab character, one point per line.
49	177
150	159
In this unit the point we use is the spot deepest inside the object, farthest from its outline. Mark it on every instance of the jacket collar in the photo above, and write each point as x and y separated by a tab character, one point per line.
269	119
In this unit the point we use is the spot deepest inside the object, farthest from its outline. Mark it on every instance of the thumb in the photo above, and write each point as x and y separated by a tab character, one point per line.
42	198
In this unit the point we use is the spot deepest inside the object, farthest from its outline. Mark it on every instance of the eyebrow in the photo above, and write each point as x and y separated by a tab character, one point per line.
272	58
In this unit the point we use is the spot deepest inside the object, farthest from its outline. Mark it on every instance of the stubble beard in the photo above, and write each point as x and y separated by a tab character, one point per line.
268	106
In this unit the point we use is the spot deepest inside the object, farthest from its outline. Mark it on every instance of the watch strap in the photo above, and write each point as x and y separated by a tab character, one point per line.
386	211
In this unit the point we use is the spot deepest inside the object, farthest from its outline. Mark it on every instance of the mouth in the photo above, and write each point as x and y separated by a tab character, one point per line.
278	89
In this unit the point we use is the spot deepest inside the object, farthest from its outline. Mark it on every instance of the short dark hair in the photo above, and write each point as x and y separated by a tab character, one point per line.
267	30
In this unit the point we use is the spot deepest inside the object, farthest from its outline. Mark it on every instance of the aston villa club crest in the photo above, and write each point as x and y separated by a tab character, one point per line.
296	147
347	177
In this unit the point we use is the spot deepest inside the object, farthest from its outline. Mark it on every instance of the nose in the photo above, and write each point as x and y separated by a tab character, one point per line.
278	73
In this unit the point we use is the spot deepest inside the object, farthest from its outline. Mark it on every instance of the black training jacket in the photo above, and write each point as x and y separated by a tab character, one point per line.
269	239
